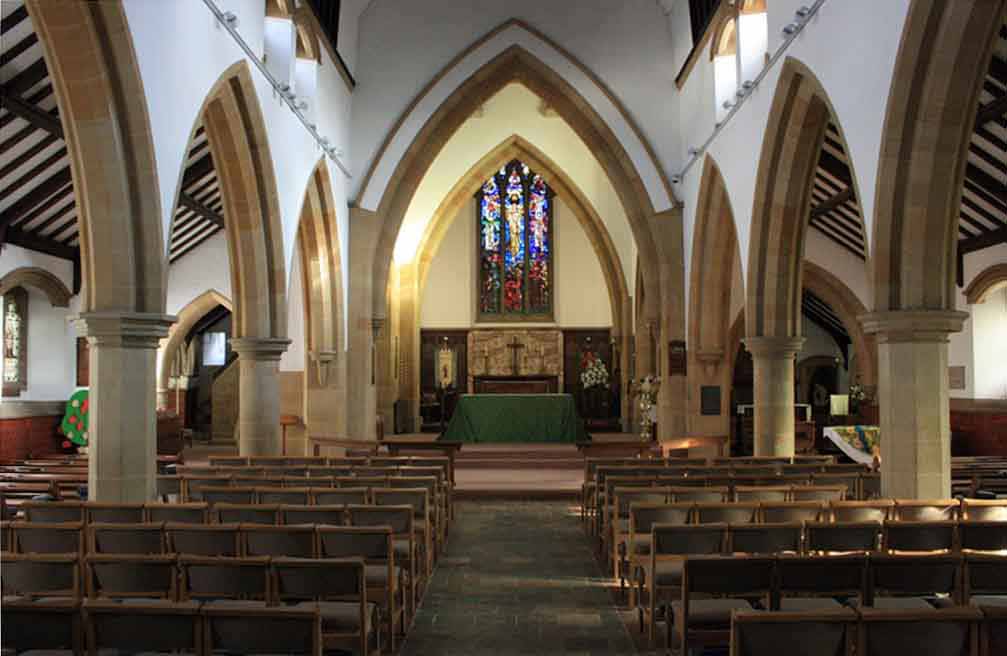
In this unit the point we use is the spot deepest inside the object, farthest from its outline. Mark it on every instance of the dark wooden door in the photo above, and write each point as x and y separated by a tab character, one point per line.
599	407
436	404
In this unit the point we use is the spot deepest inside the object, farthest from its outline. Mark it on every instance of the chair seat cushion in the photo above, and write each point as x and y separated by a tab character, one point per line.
669	572
710	612
341	616
797	604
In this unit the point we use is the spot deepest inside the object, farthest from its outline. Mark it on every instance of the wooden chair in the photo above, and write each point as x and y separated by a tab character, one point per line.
904	582
203	539
989	510
50	625
842	537
917	510
48	538
775	538
919	536
993	630
725	513
230	495
811	583
791	511
334	515
283	495
985	579
111	538
259	630
849	481
131	627
824	493
228	513
223	581
982	535
948	631
123	577
187	513
53	512
660	574
228	461
337	590
408	551
815	633
689	494
762	493
40	575
291	541
877	510
192	486
113	513
617	523
423	526
731	581
643	515
340	496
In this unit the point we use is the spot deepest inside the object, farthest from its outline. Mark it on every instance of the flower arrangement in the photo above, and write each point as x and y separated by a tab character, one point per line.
646	390
593	372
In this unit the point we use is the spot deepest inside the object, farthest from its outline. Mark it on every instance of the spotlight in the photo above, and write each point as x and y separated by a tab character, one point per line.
740	93
727	104
790	28
747	85
230	18
302	105
693	151
675	179
803	11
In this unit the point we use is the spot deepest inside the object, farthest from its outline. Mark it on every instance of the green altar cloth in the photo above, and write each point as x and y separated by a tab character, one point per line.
515	418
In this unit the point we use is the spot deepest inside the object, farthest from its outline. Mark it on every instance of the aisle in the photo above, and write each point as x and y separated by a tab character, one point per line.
518	578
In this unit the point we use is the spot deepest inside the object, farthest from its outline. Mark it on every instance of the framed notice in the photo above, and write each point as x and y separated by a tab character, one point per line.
676	358
956	378
709	400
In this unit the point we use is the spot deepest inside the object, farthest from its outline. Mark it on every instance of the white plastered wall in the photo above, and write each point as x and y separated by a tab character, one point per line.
580	293
981	346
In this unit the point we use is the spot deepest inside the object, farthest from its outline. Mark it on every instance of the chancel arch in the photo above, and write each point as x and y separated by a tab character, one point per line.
248	201
804	179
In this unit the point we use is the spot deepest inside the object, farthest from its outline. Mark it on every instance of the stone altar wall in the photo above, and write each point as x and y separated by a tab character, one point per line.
490	355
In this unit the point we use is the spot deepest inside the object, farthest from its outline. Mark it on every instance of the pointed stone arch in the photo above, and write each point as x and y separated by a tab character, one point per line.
322	285
987	280
188	317
40	279
716	264
798	119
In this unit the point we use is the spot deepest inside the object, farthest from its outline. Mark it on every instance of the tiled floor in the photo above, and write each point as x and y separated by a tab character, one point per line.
517	578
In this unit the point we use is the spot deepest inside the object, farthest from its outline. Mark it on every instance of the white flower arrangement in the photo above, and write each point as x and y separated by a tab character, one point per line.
594	375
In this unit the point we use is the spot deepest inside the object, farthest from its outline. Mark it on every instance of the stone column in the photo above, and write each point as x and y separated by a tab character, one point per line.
773	360
913	400
259	394
122	429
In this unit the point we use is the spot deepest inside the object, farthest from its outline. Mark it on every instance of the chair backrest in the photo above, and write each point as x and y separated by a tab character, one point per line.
228	461
728	575
39	626
623	497
33	575
762	493
398	518
870	485
114	513
318	579
642	516
842	537
725	513
416	498
224	578
822	576
689	494
187	513
919	536
877	510
230	495
822	633
329	472
982	535
985	574
901	575
850	481
273	630
141	628
203	539
679	540
340	496
765	538
283	495
372	543
916	510
126	538
114	576
192	487
48	538
946	631
228	513
793	511
303	514
53	512
818	492
293	541
989	510
268	461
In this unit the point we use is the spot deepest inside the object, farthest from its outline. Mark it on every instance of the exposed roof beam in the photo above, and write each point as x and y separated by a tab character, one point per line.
835	167
199	208
13	18
15	104
23	205
28	153
992	110
40	244
44	92
29	77
14	51
998	69
830	204
198	170
993	186
986	240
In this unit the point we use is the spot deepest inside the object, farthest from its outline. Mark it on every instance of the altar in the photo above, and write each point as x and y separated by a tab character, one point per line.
482	418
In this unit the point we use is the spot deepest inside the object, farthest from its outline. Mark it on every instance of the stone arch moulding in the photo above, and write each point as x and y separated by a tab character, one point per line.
985	281
515	64
188	316
795	130
236	132
942	61
848	308
47	283
519	148
103	111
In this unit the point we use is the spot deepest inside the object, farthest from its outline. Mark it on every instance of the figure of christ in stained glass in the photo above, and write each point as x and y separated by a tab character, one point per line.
489	225
538	247
515	247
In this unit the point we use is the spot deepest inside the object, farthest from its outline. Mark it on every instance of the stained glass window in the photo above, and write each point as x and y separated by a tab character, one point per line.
15	356
514	215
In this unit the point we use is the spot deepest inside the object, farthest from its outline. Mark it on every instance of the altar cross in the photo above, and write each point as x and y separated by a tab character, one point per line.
514	346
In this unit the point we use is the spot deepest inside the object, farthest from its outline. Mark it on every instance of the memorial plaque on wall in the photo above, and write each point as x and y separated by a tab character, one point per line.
709	400
676	358
956	378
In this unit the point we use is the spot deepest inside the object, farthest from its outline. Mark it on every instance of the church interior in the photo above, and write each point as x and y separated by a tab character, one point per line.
465	327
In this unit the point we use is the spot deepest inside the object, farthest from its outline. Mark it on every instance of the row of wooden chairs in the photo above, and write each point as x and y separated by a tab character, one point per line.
697	589
196	605
340	461
961	631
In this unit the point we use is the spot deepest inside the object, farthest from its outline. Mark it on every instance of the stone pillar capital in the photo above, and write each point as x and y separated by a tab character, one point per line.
377	325
260	348
774	347
913	325
139	330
